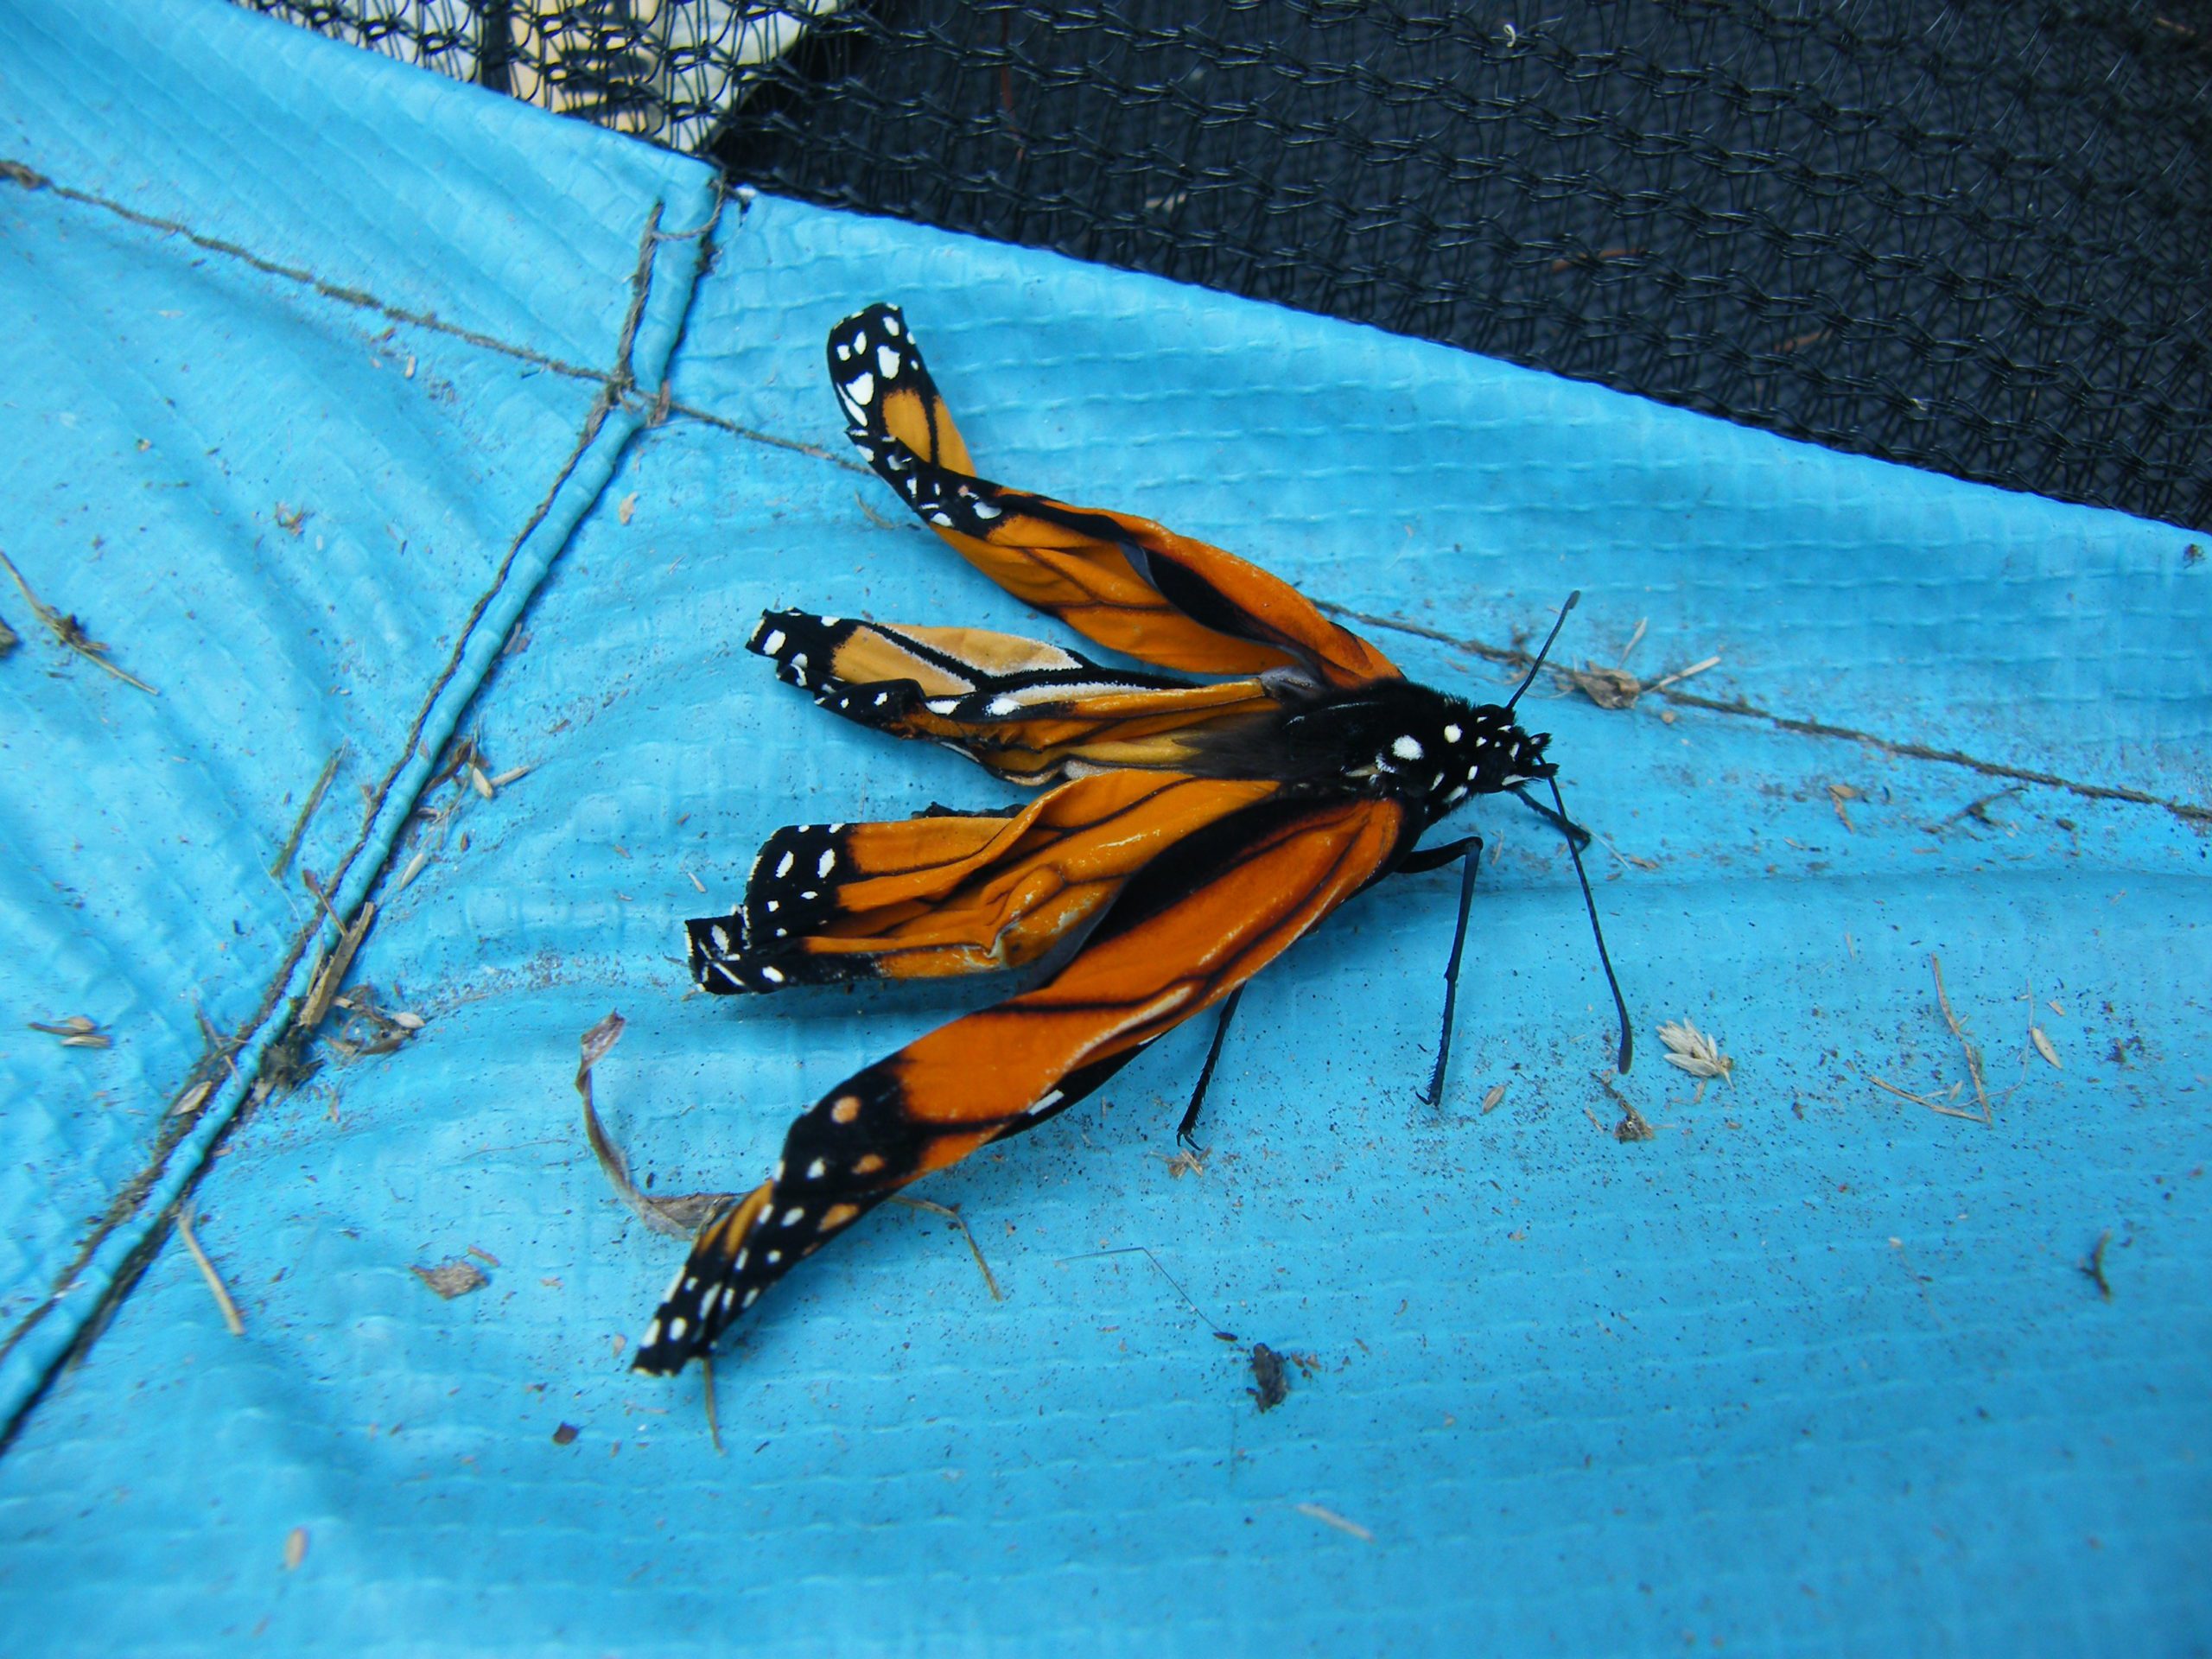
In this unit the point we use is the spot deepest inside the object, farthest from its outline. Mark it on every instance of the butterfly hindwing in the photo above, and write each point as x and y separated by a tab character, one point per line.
1201	919
948	895
1126	582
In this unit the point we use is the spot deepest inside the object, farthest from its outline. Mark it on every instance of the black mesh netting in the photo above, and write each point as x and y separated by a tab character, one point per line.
1976	236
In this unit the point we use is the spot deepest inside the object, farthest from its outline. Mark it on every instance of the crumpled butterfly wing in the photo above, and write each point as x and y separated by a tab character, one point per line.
948	894
1029	712
1126	582
1195	925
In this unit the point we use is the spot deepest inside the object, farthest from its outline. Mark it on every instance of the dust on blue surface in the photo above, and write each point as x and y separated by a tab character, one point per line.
1816	1370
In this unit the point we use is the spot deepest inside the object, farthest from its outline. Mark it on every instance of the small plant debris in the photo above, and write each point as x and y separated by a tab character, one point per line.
75	1031
1331	1518
369	1029
1973	1054
1838	794
1691	1050
677	1217
566	1434
1187	1161
230	1309
2095	1266
70	632
1494	1099
2044	1047
455	1278
300	825
296	1548
1633	1126
1272	1377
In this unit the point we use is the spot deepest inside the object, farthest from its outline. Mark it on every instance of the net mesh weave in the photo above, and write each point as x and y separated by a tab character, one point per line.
1975	236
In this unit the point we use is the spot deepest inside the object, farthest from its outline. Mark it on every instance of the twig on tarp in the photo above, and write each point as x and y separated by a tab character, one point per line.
678	1217
70	632
215	1280
330	974
990	1280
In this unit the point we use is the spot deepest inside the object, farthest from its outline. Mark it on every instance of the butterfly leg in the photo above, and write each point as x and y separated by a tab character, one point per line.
1205	1072
1469	852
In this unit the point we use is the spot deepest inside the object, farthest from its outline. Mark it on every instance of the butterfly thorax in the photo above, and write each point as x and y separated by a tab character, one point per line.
1392	739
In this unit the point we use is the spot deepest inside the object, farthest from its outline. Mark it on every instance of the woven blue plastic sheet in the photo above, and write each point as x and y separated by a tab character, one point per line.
1814	1369
298	490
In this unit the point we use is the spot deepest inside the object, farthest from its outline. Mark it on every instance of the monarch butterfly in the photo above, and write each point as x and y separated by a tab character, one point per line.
1191	833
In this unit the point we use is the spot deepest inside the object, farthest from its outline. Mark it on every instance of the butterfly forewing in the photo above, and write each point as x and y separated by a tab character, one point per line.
1030	712
1125	582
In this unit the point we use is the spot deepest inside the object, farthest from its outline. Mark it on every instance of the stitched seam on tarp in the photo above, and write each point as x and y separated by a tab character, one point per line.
1904	748
228	1107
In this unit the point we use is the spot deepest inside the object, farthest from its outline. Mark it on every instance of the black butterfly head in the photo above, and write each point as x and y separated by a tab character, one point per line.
1466	749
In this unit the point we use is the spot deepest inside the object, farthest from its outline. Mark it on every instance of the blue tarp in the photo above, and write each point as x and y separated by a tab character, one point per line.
352	410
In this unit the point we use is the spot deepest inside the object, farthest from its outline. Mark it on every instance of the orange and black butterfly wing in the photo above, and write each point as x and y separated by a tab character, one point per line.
947	894
1126	582
1192	926
1028	711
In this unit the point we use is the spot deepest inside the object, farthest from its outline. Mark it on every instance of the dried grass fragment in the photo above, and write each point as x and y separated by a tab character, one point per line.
70	632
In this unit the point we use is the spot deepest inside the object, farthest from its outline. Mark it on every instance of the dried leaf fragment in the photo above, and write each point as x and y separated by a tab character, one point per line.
1491	1101
1609	688
1694	1052
2042	1045
296	1548
565	1435
454	1278
628	507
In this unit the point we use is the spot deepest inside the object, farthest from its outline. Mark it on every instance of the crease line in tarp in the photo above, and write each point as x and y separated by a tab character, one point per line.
90	1288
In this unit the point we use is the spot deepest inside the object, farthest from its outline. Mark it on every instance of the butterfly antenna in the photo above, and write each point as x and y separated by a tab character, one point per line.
1628	1051
1571	601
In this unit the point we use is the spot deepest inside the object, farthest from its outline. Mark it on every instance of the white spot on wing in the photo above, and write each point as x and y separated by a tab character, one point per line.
1407	748
783	867
1452	734
827	863
773	643
862	388
886	359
